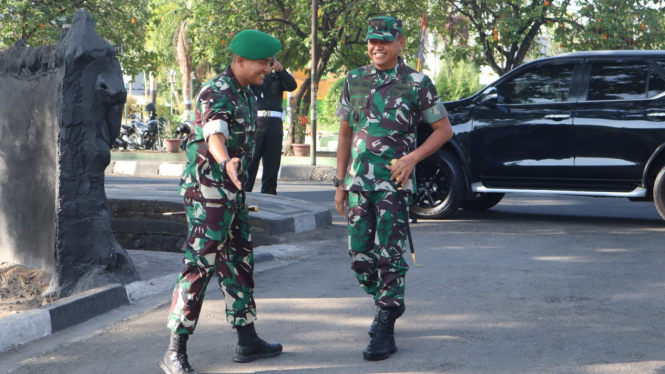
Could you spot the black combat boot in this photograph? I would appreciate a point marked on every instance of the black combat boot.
(375, 322)
(175, 359)
(250, 346)
(382, 344)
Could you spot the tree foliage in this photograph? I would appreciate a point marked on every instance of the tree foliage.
(504, 31)
(457, 80)
(611, 24)
(39, 22)
(342, 26)
(329, 105)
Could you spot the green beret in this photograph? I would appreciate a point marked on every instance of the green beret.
(254, 45)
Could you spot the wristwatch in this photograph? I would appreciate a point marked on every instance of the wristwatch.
(337, 182)
(222, 167)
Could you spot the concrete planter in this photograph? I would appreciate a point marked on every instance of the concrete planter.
(172, 145)
(301, 150)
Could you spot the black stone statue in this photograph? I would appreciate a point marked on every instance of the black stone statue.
(60, 109)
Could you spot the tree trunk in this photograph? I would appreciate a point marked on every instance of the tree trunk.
(185, 62)
(172, 82)
(302, 99)
(296, 113)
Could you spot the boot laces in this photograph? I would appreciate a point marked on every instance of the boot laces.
(180, 347)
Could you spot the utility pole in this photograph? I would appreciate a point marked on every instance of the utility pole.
(314, 85)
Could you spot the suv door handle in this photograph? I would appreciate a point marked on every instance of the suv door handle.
(656, 114)
(557, 117)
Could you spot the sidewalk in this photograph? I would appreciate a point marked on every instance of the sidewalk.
(174, 169)
(158, 271)
(143, 207)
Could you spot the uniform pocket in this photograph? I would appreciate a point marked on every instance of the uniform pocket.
(396, 115)
(359, 110)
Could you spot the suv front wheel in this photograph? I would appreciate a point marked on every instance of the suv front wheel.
(659, 192)
(440, 186)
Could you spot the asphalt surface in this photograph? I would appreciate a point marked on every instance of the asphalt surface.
(536, 285)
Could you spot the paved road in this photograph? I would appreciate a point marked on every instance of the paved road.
(537, 285)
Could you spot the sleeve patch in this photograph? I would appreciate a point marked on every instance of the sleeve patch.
(217, 126)
(435, 113)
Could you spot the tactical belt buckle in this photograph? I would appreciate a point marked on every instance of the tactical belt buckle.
(269, 113)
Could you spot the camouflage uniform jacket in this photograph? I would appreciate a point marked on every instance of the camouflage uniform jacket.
(222, 106)
(384, 109)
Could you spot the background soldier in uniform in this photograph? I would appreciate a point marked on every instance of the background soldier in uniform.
(380, 107)
(219, 241)
(269, 132)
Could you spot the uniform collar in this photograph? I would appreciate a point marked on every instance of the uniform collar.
(392, 73)
(235, 86)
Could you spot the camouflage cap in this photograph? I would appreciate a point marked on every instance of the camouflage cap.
(384, 28)
(254, 45)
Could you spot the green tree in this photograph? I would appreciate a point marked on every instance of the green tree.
(504, 31)
(329, 105)
(341, 31)
(611, 24)
(173, 39)
(39, 22)
(457, 80)
(160, 41)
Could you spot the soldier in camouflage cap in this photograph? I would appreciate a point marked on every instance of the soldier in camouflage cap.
(219, 241)
(380, 106)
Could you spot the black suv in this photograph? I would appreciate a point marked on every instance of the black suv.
(582, 123)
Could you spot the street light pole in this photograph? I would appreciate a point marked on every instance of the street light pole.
(314, 85)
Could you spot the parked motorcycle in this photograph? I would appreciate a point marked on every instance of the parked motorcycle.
(182, 133)
(122, 142)
(145, 135)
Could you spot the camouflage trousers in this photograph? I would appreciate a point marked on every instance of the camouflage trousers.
(219, 242)
(377, 234)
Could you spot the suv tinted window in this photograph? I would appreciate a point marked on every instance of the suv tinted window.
(545, 84)
(656, 82)
(618, 81)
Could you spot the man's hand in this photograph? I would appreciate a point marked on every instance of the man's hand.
(277, 67)
(341, 201)
(232, 167)
(402, 169)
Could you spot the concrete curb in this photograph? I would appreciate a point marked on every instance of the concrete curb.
(22, 328)
(175, 169)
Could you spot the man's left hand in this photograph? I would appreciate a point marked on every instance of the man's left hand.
(401, 171)
(277, 67)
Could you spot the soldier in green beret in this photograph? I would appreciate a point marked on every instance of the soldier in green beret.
(380, 107)
(219, 242)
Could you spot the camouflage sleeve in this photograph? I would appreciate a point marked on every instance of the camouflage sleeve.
(343, 111)
(431, 107)
(216, 113)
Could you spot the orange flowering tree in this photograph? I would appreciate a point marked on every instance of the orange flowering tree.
(39, 22)
(613, 24)
(505, 31)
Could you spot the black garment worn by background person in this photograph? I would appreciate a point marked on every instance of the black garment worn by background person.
(268, 144)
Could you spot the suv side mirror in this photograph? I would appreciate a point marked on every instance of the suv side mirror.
(489, 97)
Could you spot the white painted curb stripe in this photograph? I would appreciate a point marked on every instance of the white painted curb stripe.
(142, 289)
(24, 327)
(171, 170)
(124, 167)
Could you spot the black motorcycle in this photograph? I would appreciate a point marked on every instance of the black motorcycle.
(122, 142)
(182, 133)
(145, 135)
